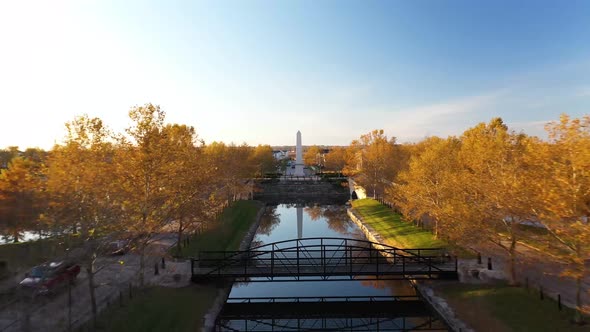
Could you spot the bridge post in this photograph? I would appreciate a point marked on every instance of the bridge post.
(403, 264)
(376, 263)
(324, 257)
(350, 261)
(298, 273)
(272, 260)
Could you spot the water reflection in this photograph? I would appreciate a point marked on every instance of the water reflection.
(286, 222)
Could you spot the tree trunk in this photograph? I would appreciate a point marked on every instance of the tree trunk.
(141, 265)
(91, 288)
(436, 228)
(15, 235)
(179, 239)
(512, 265)
(578, 315)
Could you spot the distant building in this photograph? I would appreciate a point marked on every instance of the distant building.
(280, 154)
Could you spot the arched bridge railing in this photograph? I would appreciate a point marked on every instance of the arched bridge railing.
(324, 258)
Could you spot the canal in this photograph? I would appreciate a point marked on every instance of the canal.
(286, 222)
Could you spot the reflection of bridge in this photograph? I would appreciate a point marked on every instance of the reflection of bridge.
(324, 259)
(355, 313)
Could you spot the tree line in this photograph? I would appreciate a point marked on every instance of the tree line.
(105, 185)
(488, 185)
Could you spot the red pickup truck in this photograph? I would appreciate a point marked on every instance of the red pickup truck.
(48, 277)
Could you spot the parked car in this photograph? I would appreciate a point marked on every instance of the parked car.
(47, 278)
(118, 247)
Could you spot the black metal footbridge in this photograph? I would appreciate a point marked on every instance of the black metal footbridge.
(335, 313)
(323, 258)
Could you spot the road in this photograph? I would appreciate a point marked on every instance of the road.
(115, 274)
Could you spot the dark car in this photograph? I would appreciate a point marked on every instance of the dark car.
(48, 277)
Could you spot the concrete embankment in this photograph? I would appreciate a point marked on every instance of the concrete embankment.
(223, 292)
(438, 304)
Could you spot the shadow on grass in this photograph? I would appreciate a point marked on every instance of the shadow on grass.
(511, 308)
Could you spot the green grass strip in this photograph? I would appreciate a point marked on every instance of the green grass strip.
(229, 230)
(159, 309)
(392, 228)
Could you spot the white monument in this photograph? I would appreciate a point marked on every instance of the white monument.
(299, 222)
(299, 157)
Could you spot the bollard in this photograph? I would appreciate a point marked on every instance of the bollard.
(541, 292)
(489, 263)
(478, 258)
(559, 302)
(156, 272)
(163, 263)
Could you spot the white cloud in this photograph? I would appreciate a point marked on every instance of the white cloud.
(442, 119)
(583, 91)
(533, 128)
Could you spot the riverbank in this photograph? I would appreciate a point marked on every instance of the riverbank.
(184, 309)
(481, 307)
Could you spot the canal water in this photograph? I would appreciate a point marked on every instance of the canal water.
(287, 222)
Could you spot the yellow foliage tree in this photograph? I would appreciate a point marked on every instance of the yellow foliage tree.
(564, 190)
(21, 195)
(371, 161)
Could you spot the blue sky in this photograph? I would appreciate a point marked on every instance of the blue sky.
(258, 71)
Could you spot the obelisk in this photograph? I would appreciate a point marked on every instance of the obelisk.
(299, 157)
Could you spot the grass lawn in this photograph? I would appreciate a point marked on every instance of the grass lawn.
(160, 309)
(504, 308)
(227, 234)
(391, 227)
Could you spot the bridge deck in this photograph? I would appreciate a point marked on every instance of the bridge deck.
(326, 261)
(383, 306)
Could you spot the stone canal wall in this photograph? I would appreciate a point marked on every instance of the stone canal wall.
(223, 292)
(438, 304)
(301, 191)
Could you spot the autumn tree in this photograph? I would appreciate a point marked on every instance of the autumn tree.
(563, 166)
(262, 159)
(425, 188)
(496, 177)
(232, 168)
(6, 155)
(371, 161)
(142, 159)
(189, 184)
(312, 156)
(83, 192)
(21, 195)
(335, 159)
